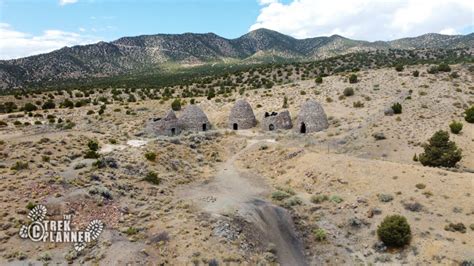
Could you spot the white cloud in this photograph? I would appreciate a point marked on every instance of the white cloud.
(16, 44)
(67, 2)
(449, 31)
(365, 19)
(267, 2)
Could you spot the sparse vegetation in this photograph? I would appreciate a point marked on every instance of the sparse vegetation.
(353, 78)
(440, 151)
(469, 117)
(455, 127)
(443, 67)
(320, 234)
(93, 147)
(150, 156)
(152, 178)
(394, 231)
(317, 199)
(285, 102)
(29, 107)
(348, 91)
(336, 199)
(176, 105)
(280, 195)
(19, 165)
(358, 104)
(397, 108)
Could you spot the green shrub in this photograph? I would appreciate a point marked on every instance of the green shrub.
(316, 199)
(30, 205)
(28, 107)
(91, 154)
(19, 166)
(358, 104)
(399, 68)
(420, 186)
(67, 104)
(432, 70)
(319, 80)
(320, 234)
(150, 156)
(93, 148)
(68, 125)
(348, 92)
(353, 78)
(455, 127)
(8, 107)
(394, 231)
(93, 145)
(285, 102)
(131, 231)
(176, 105)
(416, 73)
(280, 195)
(3, 124)
(288, 190)
(48, 105)
(293, 201)
(211, 94)
(440, 152)
(469, 115)
(397, 108)
(336, 199)
(444, 67)
(152, 178)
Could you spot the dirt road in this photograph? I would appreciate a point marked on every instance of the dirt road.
(238, 192)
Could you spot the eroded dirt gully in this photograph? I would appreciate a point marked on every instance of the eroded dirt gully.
(238, 192)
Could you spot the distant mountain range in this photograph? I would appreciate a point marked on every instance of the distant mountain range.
(152, 52)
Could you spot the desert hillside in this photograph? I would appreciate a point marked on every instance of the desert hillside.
(248, 196)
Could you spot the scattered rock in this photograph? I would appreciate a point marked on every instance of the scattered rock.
(383, 258)
(380, 247)
(373, 211)
(293, 154)
(225, 230)
(388, 111)
(161, 237)
(413, 206)
(379, 136)
(355, 222)
(385, 197)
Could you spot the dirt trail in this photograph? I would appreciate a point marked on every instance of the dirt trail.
(241, 193)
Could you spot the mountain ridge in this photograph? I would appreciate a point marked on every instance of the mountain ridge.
(151, 52)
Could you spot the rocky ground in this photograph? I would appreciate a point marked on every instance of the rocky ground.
(212, 201)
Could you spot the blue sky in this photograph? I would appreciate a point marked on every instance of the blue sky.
(114, 19)
(30, 27)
